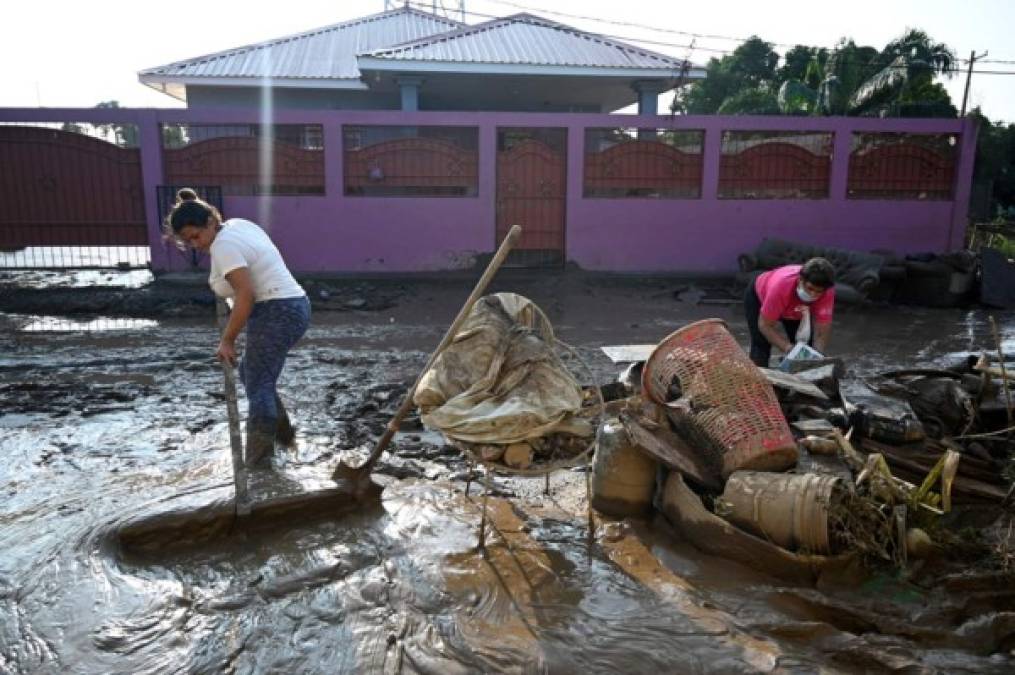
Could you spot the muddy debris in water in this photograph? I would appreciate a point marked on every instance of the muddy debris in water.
(61, 397)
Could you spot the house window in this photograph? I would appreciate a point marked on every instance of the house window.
(647, 163)
(246, 159)
(902, 166)
(775, 164)
(411, 161)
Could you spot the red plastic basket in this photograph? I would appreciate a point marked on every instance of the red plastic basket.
(733, 407)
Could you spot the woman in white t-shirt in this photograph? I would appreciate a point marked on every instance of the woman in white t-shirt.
(247, 267)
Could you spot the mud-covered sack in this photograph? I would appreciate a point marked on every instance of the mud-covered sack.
(500, 380)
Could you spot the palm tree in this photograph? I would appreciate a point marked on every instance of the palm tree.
(857, 80)
(921, 54)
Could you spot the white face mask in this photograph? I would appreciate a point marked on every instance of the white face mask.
(804, 295)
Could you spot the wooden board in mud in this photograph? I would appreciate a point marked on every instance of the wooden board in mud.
(275, 498)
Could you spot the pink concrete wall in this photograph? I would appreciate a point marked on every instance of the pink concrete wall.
(334, 233)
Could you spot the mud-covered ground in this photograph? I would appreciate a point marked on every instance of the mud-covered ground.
(105, 421)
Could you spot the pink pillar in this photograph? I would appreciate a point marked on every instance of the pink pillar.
(151, 177)
(965, 163)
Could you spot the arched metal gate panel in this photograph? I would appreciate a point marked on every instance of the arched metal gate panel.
(532, 192)
(69, 201)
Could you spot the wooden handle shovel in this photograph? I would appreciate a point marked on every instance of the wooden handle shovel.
(241, 499)
(359, 474)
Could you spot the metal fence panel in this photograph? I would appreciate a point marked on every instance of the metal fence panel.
(775, 165)
(655, 163)
(69, 201)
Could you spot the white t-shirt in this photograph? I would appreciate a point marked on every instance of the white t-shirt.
(241, 243)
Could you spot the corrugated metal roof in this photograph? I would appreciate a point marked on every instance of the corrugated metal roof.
(328, 52)
(524, 39)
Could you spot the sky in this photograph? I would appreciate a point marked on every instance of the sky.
(58, 53)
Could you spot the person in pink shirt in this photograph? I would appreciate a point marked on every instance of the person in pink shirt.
(783, 296)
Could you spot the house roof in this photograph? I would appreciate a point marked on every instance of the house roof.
(410, 40)
(523, 40)
(325, 56)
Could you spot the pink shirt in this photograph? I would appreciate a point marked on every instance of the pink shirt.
(777, 291)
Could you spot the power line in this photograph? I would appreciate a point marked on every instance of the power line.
(626, 24)
(480, 15)
(692, 47)
(631, 24)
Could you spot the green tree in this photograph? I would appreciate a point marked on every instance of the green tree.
(921, 53)
(124, 135)
(797, 62)
(754, 101)
(995, 159)
(796, 98)
(926, 99)
(847, 68)
(705, 96)
(860, 80)
(908, 65)
(173, 136)
(753, 63)
(850, 79)
(750, 66)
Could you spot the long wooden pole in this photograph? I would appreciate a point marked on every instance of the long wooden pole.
(357, 474)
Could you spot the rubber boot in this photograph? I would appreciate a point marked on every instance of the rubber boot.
(260, 441)
(284, 432)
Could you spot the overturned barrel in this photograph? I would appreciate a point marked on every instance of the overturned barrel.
(790, 510)
(623, 477)
(732, 407)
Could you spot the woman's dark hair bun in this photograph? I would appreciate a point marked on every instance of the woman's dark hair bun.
(189, 209)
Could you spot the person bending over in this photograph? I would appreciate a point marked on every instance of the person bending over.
(777, 302)
(267, 301)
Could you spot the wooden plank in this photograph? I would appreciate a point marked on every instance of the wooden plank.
(672, 452)
(628, 353)
(819, 426)
(277, 499)
(914, 462)
(639, 562)
(777, 378)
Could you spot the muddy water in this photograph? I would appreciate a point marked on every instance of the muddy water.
(100, 428)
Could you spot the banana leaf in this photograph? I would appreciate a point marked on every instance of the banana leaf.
(796, 98)
(831, 98)
(880, 88)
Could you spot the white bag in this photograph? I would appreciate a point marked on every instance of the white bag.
(801, 352)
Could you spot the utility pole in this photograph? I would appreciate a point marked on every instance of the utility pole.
(969, 76)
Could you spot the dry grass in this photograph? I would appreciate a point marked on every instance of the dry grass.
(1004, 547)
(861, 523)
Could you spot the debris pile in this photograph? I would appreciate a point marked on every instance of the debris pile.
(884, 468)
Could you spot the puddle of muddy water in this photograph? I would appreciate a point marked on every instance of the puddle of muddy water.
(400, 587)
(55, 324)
(21, 268)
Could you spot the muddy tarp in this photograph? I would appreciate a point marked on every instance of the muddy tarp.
(856, 273)
(998, 279)
(500, 380)
(941, 403)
